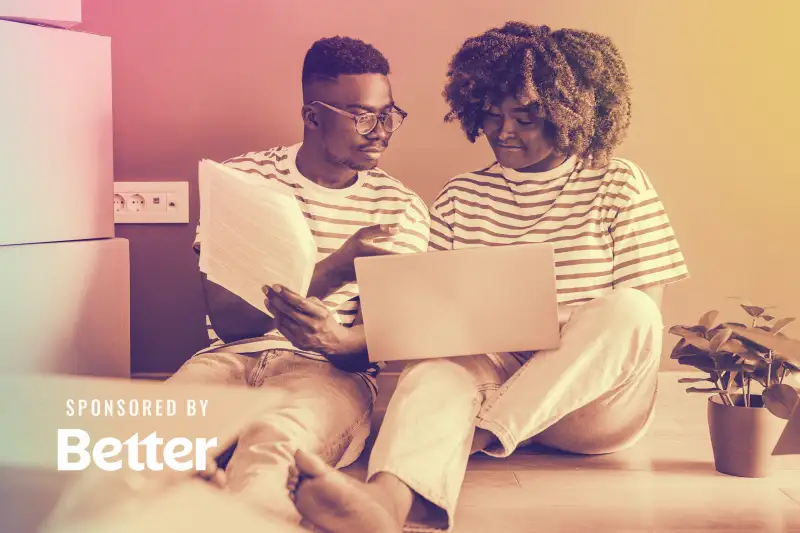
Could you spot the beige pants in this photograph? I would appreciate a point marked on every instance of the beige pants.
(594, 394)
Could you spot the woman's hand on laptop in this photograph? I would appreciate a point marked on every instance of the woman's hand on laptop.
(309, 325)
(363, 243)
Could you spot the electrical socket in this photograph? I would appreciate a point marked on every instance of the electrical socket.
(136, 203)
(119, 203)
(151, 202)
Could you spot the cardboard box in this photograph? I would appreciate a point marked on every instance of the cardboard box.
(65, 308)
(62, 13)
(56, 135)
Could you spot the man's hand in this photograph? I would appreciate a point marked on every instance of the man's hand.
(309, 325)
(363, 243)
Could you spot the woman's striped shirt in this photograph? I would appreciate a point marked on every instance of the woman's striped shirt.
(608, 225)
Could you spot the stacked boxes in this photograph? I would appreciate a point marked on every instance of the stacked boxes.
(64, 278)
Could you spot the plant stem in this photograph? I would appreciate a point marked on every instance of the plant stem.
(769, 370)
(749, 398)
(723, 393)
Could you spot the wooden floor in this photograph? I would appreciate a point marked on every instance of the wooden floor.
(665, 483)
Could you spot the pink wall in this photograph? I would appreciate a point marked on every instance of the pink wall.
(711, 126)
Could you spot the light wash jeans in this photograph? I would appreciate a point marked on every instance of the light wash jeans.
(324, 410)
(327, 412)
(594, 394)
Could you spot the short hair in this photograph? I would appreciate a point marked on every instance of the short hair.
(578, 78)
(330, 57)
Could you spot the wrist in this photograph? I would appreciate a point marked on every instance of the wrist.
(347, 343)
(328, 277)
(334, 271)
(350, 350)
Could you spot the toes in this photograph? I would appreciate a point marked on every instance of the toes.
(220, 479)
(309, 465)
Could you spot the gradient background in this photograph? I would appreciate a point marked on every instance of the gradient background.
(715, 125)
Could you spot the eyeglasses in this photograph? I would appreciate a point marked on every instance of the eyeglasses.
(366, 122)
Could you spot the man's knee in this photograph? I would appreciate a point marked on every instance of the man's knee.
(206, 369)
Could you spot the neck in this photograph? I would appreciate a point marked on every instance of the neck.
(322, 172)
(554, 160)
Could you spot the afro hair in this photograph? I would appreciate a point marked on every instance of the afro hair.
(577, 79)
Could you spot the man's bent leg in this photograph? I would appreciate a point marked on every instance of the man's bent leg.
(96, 491)
(220, 368)
(425, 439)
(609, 355)
(326, 412)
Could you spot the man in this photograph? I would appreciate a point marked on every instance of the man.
(314, 350)
(553, 105)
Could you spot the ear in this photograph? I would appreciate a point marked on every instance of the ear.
(310, 117)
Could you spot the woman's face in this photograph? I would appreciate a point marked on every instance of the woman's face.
(519, 138)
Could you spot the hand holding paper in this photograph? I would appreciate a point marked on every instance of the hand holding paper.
(253, 233)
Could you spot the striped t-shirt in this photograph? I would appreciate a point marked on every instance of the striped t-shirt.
(608, 225)
(333, 215)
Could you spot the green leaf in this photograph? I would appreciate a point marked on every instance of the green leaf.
(732, 324)
(752, 357)
(699, 342)
(781, 400)
(681, 348)
(700, 362)
(720, 339)
(732, 367)
(703, 389)
(688, 332)
(790, 368)
(707, 319)
(768, 318)
(784, 348)
(780, 324)
(693, 380)
(734, 346)
(753, 310)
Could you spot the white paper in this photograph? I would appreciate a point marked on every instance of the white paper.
(252, 233)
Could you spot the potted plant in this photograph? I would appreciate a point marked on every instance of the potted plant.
(747, 366)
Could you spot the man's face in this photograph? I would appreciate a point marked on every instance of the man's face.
(341, 142)
(518, 136)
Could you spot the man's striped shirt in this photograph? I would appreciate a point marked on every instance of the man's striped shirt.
(333, 215)
(608, 225)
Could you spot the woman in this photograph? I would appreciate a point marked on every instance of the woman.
(554, 106)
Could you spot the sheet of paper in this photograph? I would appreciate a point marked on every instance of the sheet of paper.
(252, 233)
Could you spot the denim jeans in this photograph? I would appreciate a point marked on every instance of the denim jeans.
(327, 412)
(594, 394)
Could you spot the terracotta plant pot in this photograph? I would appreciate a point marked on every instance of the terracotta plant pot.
(743, 438)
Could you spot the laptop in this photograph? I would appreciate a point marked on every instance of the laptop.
(459, 302)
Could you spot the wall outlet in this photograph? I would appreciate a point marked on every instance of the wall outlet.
(119, 203)
(151, 202)
(136, 203)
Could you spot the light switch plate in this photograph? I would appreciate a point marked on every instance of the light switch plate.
(151, 202)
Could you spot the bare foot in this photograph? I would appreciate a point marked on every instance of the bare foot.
(337, 503)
